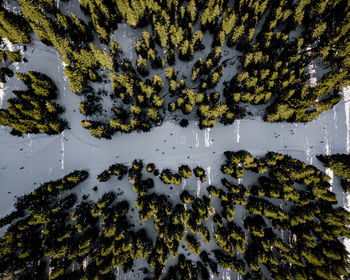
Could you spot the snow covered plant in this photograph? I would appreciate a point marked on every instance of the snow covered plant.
(190, 60)
(287, 215)
(34, 110)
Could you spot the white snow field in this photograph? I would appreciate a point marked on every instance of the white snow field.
(28, 161)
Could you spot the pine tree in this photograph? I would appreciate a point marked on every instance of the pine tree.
(14, 27)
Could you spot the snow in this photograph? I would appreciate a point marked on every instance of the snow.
(226, 275)
(207, 142)
(198, 187)
(41, 152)
(312, 72)
(347, 116)
(62, 150)
(311, 68)
(10, 47)
(328, 171)
(335, 117)
(183, 184)
(8, 44)
(326, 138)
(28, 161)
(308, 151)
(209, 175)
(2, 93)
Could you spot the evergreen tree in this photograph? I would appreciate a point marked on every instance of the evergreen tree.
(14, 27)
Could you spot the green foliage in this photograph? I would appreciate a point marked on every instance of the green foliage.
(230, 262)
(133, 12)
(33, 110)
(14, 56)
(186, 197)
(314, 227)
(272, 66)
(339, 163)
(192, 244)
(13, 27)
(168, 177)
(185, 171)
(103, 16)
(103, 58)
(200, 173)
(273, 70)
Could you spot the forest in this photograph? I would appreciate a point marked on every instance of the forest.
(286, 224)
(202, 61)
(131, 66)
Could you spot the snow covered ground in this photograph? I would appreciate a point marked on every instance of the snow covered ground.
(28, 161)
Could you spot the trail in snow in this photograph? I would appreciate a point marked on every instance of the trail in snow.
(328, 171)
(182, 140)
(207, 138)
(198, 187)
(307, 151)
(117, 272)
(209, 176)
(326, 137)
(335, 118)
(347, 116)
(2, 94)
(238, 136)
(30, 144)
(197, 140)
(62, 150)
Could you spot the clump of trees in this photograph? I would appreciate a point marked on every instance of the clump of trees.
(200, 173)
(272, 67)
(4, 71)
(43, 229)
(185, 171)
(14, 56)
(289, 216)
(116, 169)
(14, 27)
(340, 165)
(169, 177)
(236, 162)
(266, 71)
(34, 110)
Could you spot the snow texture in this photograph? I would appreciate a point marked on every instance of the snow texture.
(2, 93)
(347, 116)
